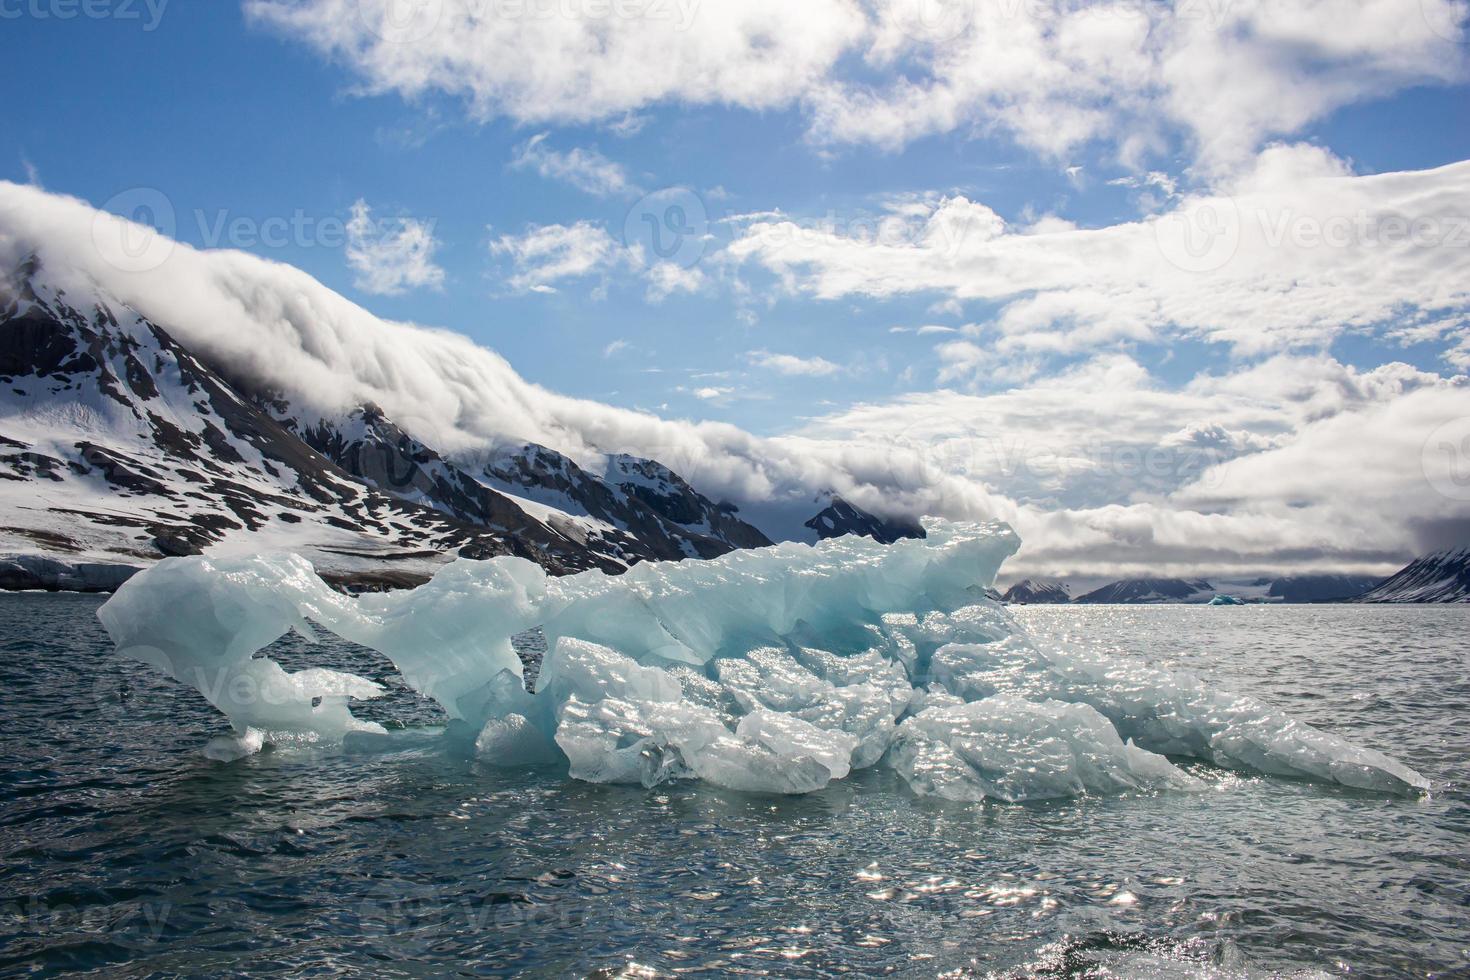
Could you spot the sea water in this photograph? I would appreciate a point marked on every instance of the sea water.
(126, 851)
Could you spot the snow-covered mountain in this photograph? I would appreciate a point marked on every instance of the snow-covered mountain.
(840, 518)
(1030, 592)
(1441, 577)
(639, 499)
(1151, 591)
(118, 447)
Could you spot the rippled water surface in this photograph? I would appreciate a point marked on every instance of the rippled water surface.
(124, 852)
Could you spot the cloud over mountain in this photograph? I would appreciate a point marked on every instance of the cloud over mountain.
(1252, 467)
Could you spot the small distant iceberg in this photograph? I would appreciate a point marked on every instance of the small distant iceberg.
(1227, 600)
(775, 670)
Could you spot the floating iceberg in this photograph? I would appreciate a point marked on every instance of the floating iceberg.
(777, 670)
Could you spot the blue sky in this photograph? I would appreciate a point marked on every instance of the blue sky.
(274, 109)
(230, 117)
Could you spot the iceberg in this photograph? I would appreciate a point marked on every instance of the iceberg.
(775, 670)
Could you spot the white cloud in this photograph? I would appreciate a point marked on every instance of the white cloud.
(628, 126)
(1297, 253)
(970, 363)
(928, 330)
(1453, 331)
(391, 257)
(1052, 438)
(586, 170)
(1225, 77)
(1292, 462)
(574, 66)
(615, 347)
(1058, 75)
(546, 254)
(667, 278)
(790, 364)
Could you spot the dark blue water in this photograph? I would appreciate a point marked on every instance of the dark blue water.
(124, 852)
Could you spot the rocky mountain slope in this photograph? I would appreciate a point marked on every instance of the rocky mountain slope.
(1441, 577)
(119, 447)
